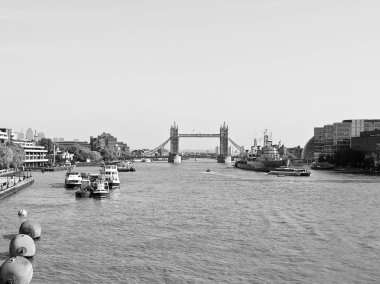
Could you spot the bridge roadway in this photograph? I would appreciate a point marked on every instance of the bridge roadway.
(197, 135)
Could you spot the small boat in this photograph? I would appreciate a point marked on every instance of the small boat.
(101, 189)
(208, 171)
(126, 167)
(73, 180)
(85, 189)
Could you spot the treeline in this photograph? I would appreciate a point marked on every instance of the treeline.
(81, 153)
(349, 158)
(11, 156)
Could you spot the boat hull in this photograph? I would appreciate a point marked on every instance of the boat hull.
(113, 185)
(83, 193)
(102, 194)
(73, 185)
(289, 174)
(126, 169)
(260, 166)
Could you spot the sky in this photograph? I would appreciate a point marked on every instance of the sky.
(77, 68)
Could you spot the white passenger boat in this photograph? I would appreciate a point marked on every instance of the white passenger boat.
(289, 171)
(110, 175)
(73, 180)
(101, 189)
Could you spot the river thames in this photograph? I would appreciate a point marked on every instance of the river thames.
(172, 223)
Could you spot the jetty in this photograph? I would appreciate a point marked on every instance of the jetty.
(10, 185)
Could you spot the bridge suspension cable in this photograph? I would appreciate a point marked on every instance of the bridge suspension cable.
(240, 148)
(158, 147)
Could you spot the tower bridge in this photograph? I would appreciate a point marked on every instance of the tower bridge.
(174, 143)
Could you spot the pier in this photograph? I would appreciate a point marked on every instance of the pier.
(10, 185)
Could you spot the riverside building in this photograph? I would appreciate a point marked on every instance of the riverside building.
(5, 135)
(107, 141)
(35, 156)
(338, 136)
(368, 142)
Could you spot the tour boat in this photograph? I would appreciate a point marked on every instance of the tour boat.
(110, 175)
(101, 189)
(73, 180)
(289, 171)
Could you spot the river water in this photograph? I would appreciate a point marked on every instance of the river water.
(172, 223)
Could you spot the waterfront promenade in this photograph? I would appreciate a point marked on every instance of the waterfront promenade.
(12, 184)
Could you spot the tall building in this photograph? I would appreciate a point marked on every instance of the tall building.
(29, 134)
(338, 136)
(217, 150)
(40, 135)
(342, 135)
(20, 135)
(368, 142)
(106, 140)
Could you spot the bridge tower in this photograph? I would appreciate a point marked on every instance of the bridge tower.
(223, 143)
(174, 143)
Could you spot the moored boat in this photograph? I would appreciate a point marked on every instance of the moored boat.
(101, 189)
(110, 175)
(73, 180)
(126, 167)
(85, 189)
(263, 160)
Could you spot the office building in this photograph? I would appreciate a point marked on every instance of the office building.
(338, 136)
(40, 135)
(29, 135)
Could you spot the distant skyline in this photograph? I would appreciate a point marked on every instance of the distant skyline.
(75, 69)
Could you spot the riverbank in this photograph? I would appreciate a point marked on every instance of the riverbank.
(89, 164)
(357, 171)
(9, 186)
(9, 173)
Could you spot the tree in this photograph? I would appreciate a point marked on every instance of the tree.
(349, 157)
(108, 154)
(18, 156)
(95, 156)
(6, 156)
(47, 143)
(322, 159)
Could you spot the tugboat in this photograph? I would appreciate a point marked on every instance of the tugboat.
(263, 160)
(110, 175)
(85, 190)
(101, 189)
